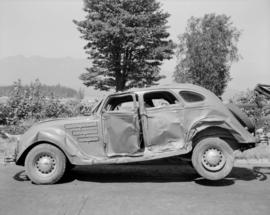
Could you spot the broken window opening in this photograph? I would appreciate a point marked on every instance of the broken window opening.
(159, 99)
(121, 104)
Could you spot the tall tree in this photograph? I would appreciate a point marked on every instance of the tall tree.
(127, 40)
(206, 51)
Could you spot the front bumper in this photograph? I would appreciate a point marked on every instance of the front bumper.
(11, 153)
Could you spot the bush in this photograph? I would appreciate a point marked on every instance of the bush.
(24, 102)
(55, 109)
(28, 104)
(254, 106)
(4, 112)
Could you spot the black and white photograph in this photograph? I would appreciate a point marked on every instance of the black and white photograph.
(134, 107)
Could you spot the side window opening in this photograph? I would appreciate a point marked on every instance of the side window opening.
(120, 103)
(159, 99)
(190, 96)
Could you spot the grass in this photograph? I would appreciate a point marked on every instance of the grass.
(259, 152)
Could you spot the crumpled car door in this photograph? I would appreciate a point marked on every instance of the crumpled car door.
(163, 128)
(121, 133)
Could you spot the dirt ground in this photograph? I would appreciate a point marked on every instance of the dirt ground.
(149, 188)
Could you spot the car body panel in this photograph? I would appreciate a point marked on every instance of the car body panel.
(121, 123)
(137, 134)
(165, 131)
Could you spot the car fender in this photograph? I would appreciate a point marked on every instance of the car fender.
(54, 136)
(240, 134)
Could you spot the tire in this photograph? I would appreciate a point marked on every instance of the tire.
(241, 117)
(45, 164)
(213, 158)
(69, 166)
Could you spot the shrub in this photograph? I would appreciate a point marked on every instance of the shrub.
(254, 106)
(24, 102)
(54, 109)
(29, 104)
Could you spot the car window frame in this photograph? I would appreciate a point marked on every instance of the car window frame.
(192, 91)
(132, 94)
(179, 100)
(96, 107)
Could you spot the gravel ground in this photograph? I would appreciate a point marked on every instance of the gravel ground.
(151, 188)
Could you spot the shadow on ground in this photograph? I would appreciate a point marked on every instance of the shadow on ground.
(156, 172)
(238, 174)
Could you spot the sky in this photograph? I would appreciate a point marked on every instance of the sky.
(45, 28)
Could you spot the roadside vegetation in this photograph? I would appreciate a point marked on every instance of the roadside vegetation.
(256, 106)
(58, 90)
(27, 104)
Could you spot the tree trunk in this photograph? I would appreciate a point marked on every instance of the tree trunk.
(120, 82)
(120, 74)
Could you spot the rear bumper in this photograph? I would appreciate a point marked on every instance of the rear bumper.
(10, 151)
(247, 146)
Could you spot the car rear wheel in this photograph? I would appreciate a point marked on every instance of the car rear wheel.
(213, 158)
(45, 164)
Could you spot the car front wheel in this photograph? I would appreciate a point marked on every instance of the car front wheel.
(213, 158)
(45, 164)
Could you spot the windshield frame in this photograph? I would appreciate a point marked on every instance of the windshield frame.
(96, 107)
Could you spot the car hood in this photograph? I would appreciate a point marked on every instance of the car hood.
(55, 124)
(55, 128)
(60, 122)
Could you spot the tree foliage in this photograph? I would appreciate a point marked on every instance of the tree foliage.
(28, 104)
(127, 40)
(206, 51)
(256, 106)
(58, 91)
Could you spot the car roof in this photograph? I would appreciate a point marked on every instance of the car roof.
(182, 86)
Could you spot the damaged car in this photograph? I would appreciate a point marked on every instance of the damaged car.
(140, 125)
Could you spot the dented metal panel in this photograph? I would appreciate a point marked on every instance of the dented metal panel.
(200, 118)
(121, 135)
(165, 129)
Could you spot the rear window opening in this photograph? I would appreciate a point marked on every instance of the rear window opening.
(190, 96)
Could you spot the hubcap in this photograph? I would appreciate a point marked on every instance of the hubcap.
(45, 164)
(213, 159)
